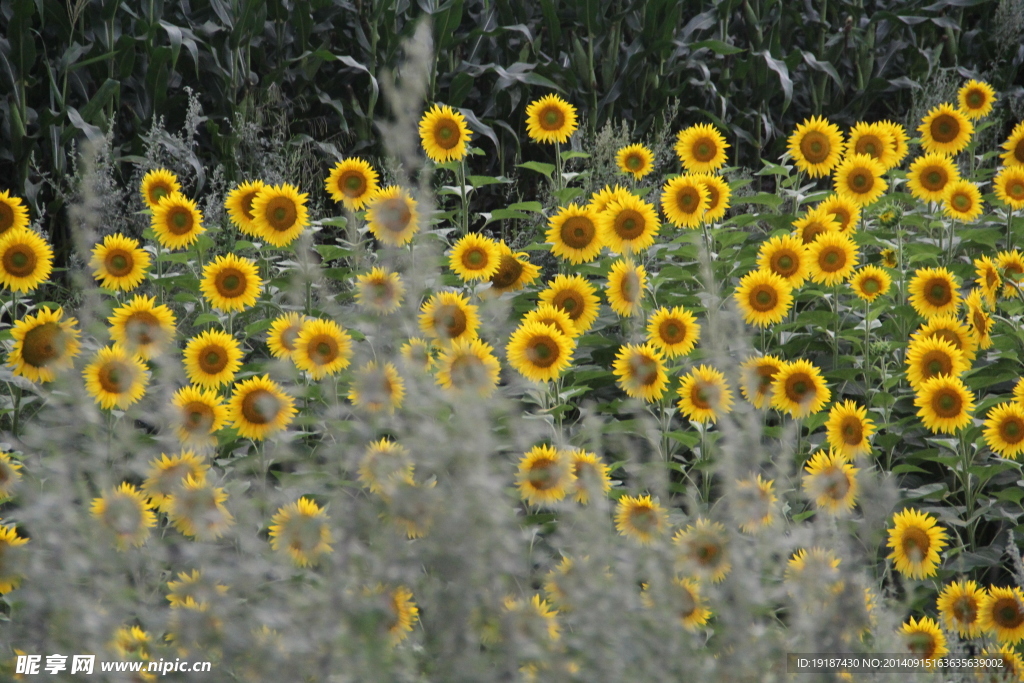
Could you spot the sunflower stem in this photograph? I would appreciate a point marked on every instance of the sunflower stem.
(867, 343)
(835, 331)
(159, 273)
(558, 172)
(1009, 230)
(17, 410)
(464, 195)
(969, 501)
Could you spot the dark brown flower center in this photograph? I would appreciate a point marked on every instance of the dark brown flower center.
(578, 232)
(629, 224)
(764, 298)
(119, 262)
(543, 474)
(281, 213)
(510, 269)
(198, 417)
(230, 283)
(142, 328)
(115, 377)
(394, 214)
(180, 221)
(688, 200)
(871, 145)
(1006, 613)
(947, 403)
(20, 260)
(704, 149)
(212, 359)
(800, 387)
(672, 331)
(852, 431)
(44, 344)
(571, 302)
(945, 128)
(450, 321)
(934, 178)
(938, 292)
(1011, 430)
(551, 118)
(643, 369)
(543, 351)
(815, 147)
(260, 406)
(446, 133)
(322, 349)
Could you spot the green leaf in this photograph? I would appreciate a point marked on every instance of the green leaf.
(717, 46)
(536, 207)
(206, 318)
(330, 252)
(545, 170)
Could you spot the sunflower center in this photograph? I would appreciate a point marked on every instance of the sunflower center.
(799, 388)
(862, 180)
(213, 360)
(629, 224)
(142, 328)
(551, 118)
(43, 344)
(322, 349)
(643, 519)
(230, 283)
(571, 302)
(704, 150)
(921, 644)
(260, 406)
(578, 232)
(871, 286)
(198, 417)
(672, 331)
(934, 179)
(394, 214)
(937, 364)
(630, 287)
(704, 396)
(945, 128)
(119, 263)
(1012, 430)
(815, 147)
(916, 543)
(180, 221)
(288, 336)
(870, 145)
(688, 199)
(634, 162)
(764, 299)
(1006, 613)
(947, 404)
(158, 192)
(475, 259)
(1018, 152)
(965, 609)
(833, 260)
(644, 370)
(810, 232)
(115, 377)
(837, 484)
(1015, 190)
(381, 292)
(543, 474)
(707, 553)
(281, 213)
(508, 273)
(468, 371)
(765, 378)
(962, 202)
(543, 352)
(975, 99)
(785, 264)
(123, 515)
(246, 202)
(6, 217)
(451, 321)
(938, 293)
(19, 260)
(446, 134)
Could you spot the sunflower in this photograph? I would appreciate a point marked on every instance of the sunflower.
(763, 297)
(849, 430)
(816, 146)
(831, 482)
(635, 160)
(539, 352)
(930, 177)
(301, 528)
(924, 638)
(26, 260)
(157, 184)
(628, 225)
(400, 610)
(574, 295)
(600, 199)
(814, 574)
(449, 317)
(754, 503)
(816, 222)
(1009, 186)
(284, 330)
(177, 222)
(684, 199)
(392, 216)
(845, 211)
(353, 182)
(560, 580)
(701, 148)
(1002, 614)
(889, 258)
(9, 542)
(124, 513)
(949, 328)
(962, 201)
(383, 463)
(799, 389)
(377, 387)
(945, 130)
(550, 119)
(231, 283)
(411, 506)
(238, 204)
(193, 587)
(10, 475)
(380, 291)
(959, 604)
(322, 348)
(682, 598)
(44, 344)
(574, 235)
(757, 376)
(279, 214)
(212, 358)
(13, 213)
(944, 404)
(626, 284)
(116, 378)
(468, 366)
(704, 395)
(475, 257)
(259, 407)
(1004, 429)
(976, 99)
(547, 314)
(640, 518)
(915, 540)
(166, 475)
(930, 357)
(640, 371)
(870, 282)
(859, 179)
(1011, 263)
(703, 550)
(197, 510)
(514, 272)
(719, 194)
(143, 327)
(673, 331)
(874, 140)
(1018, 391)
(1009, 668)
(1014, 146)
(545, 476)
(786, 256)
(118, 263)
(444, 134)
(934, 291)
(591, 476)
(981, 322)
(899, 140)
(197, 416)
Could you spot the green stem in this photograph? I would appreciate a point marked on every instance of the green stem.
(464, 217)
(867, 343)
(835, 331)
(1009, 230)
(969, 493)
(558, 170)
(159, 273)
(17, 410)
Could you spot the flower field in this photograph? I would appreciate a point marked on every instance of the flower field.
(665, 419)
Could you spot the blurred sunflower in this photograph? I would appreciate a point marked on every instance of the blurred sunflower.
(166, 475)
(754, 503)
(1018, 391)
(831, 482)
(377, 388)
(845, 211)
(380, 291)
(539, 352)
(301, 528)
(1004, 429)
(574, 295)
(1002, 614)
(402, 613)
(874, 140)
(626, 285)
(259, 408)
(944, 404)
(197, 510)
(177, 222)
(10, 475)
(816, 146)
(962, 201)
(1014, 146)
(1011, 664)
(980, 321)
(143, 327)
(757, 377)
(118, 263)
(934, 291)
(239, 206)
(814, 574)
(930, 177)
(1009, 186)
(449, 317)
(959, 604)
(628, 225)
(703, 550)
(799, 389)
(945, 130)
(719, 194)
(352, 182)
(283, 332)
(763, 297)
(383, 463)
(125, 513)
(548, 314)
(684, 200)
(545, 476)
(976, 99)
(951, 329)
(673, 331)
(859, 179)
(786, 256)
(116, 378)
(701, 148)
(600, 199)
(468, 366)
(322, 348)
(44, 344)
(195, 588)
(231, 283)
(573, 233)
(550, 119)
(870, 282)
(9, 542)
(197, 415)
(682, 598)
(26, 260)
(640, 371)
(704, 395)
(392, 216)
(1011, 263)
(640, 518)
(212, 358)
(592, 476)
(930, 357)
(444, 134)
(924, 638)
(157, 184)
(514, 271)
(899, 140)
(889, 258)
(849, 430)
(474, 257)
(915, 540)
(816, 222)
(279, 214)
(635, 160)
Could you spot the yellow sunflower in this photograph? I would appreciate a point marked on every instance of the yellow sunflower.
(859, 179)
(1018, 391)
(870, 282)
(574, 295)
(754, 503)
(929, 357)
(915, 540)
(763, 297)
(124, 513)
(539, 352)
(166, 474)
(684, 200)
(193, 589)
(981, 322)
(719, 194)
(640, 518)
(118, 263)
(831, 482)
(889, 258)
(814, 574)
(377, 388)
(1002, 614)
(574, 235)
(799, 389)
(944, 404)
(26, 260)
(9, 543)
(143, 327)
(600, 199)
(550, 119)
(1009, 186)
(930, 177)
(976, 99)
(279, 214)
(116, 378)
(552, 315)
(924, 638)
(514, 271)
(962, 201)
(380, 291)
(635, 160)
(322, 348)
(934, 291)
(392, 216)
(1011, 263)
(449, 317)
(1004, 429)
(259, 408)
(816, 146)
(1009, 668)
(475, 257)
(899, 140)
(545, 476)
(849, 430)
(212, 358)
(701, 148)
(444, 134)
(703, 550)
(628, 225)
(13, 213)
(873, 140)
(959, 604)
(197, 510)
(704, 395)
(845, 211)
(44, 344)
(239, 205)
(951, 329)
(283, 332)
(786, 256)
(626, 285)
(197, 416)
(640, 371)
(177, 222)
(945, 130)
(157, 184)
(592, 476)
(383, 463)
(673, 331)
(682, 598)
(1014, 146)
(303, 530)
(468, 366)
(816, 222)
(352, 182)
(757, 376)
(10, 475)
(231, 283)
